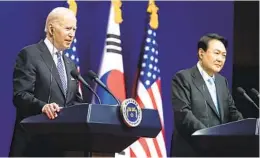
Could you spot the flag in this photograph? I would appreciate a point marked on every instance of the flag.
(111, 71)
(148, 91)
(72, 52)
(148, 95)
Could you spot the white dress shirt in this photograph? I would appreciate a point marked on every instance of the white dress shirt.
(53, 51)
(210, 82)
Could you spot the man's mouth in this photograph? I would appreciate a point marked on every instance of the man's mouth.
(218, 66)
(69, 41)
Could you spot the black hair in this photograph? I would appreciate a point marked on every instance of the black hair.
(204, 40)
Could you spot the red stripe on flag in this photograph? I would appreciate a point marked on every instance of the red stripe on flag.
(138, 100)
(157, 147)
(132, 154)
(150, 92)
(145, 146)
(163, 133)
(158, 82)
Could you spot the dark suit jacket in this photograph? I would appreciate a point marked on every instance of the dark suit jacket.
(32, 83)
(194, 108)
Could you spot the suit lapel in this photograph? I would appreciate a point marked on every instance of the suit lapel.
(68, 69)
(219, 97)
(200, 84)
(47, 58)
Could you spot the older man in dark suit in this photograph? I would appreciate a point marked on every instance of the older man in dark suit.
(42, 82)
(200, 96)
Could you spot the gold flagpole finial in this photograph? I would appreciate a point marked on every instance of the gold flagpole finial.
(153, 9)
(118, 12)
(72, 6)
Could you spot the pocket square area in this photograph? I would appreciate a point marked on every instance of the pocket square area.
(72, 78)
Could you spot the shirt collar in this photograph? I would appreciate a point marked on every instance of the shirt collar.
(52, 49)
(204, 74)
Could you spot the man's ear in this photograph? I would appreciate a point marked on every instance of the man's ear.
(201, 53)
(51, 29)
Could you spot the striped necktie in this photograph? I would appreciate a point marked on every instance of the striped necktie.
(62, 74)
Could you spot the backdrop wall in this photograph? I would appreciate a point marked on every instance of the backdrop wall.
(181, 24)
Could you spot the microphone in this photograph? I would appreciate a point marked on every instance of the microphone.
(93, 76)
(75, 74)
(49, 97)
(243, 92)
(255, 92)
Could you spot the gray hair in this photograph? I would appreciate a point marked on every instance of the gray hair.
(56, 14)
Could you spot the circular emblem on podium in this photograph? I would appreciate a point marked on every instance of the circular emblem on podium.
(131, 112)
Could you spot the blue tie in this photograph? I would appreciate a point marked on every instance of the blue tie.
(60, 68)
(213, 92)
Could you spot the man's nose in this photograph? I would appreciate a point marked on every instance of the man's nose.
(71, 33)
(220, 58)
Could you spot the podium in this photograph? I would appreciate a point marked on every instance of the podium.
(90, 127)
(233, 139)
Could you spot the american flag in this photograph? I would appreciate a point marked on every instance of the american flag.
(72, 52)
(148, 95)
(73, 55)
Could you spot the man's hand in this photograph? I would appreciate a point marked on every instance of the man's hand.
(51, 110)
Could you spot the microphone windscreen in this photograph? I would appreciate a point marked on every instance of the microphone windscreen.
(75, 74)
(241, 90)
(255, 91)
(91, 74)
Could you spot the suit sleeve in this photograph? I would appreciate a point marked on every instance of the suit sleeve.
(234, 114)
(185, 121)
(24, 78)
